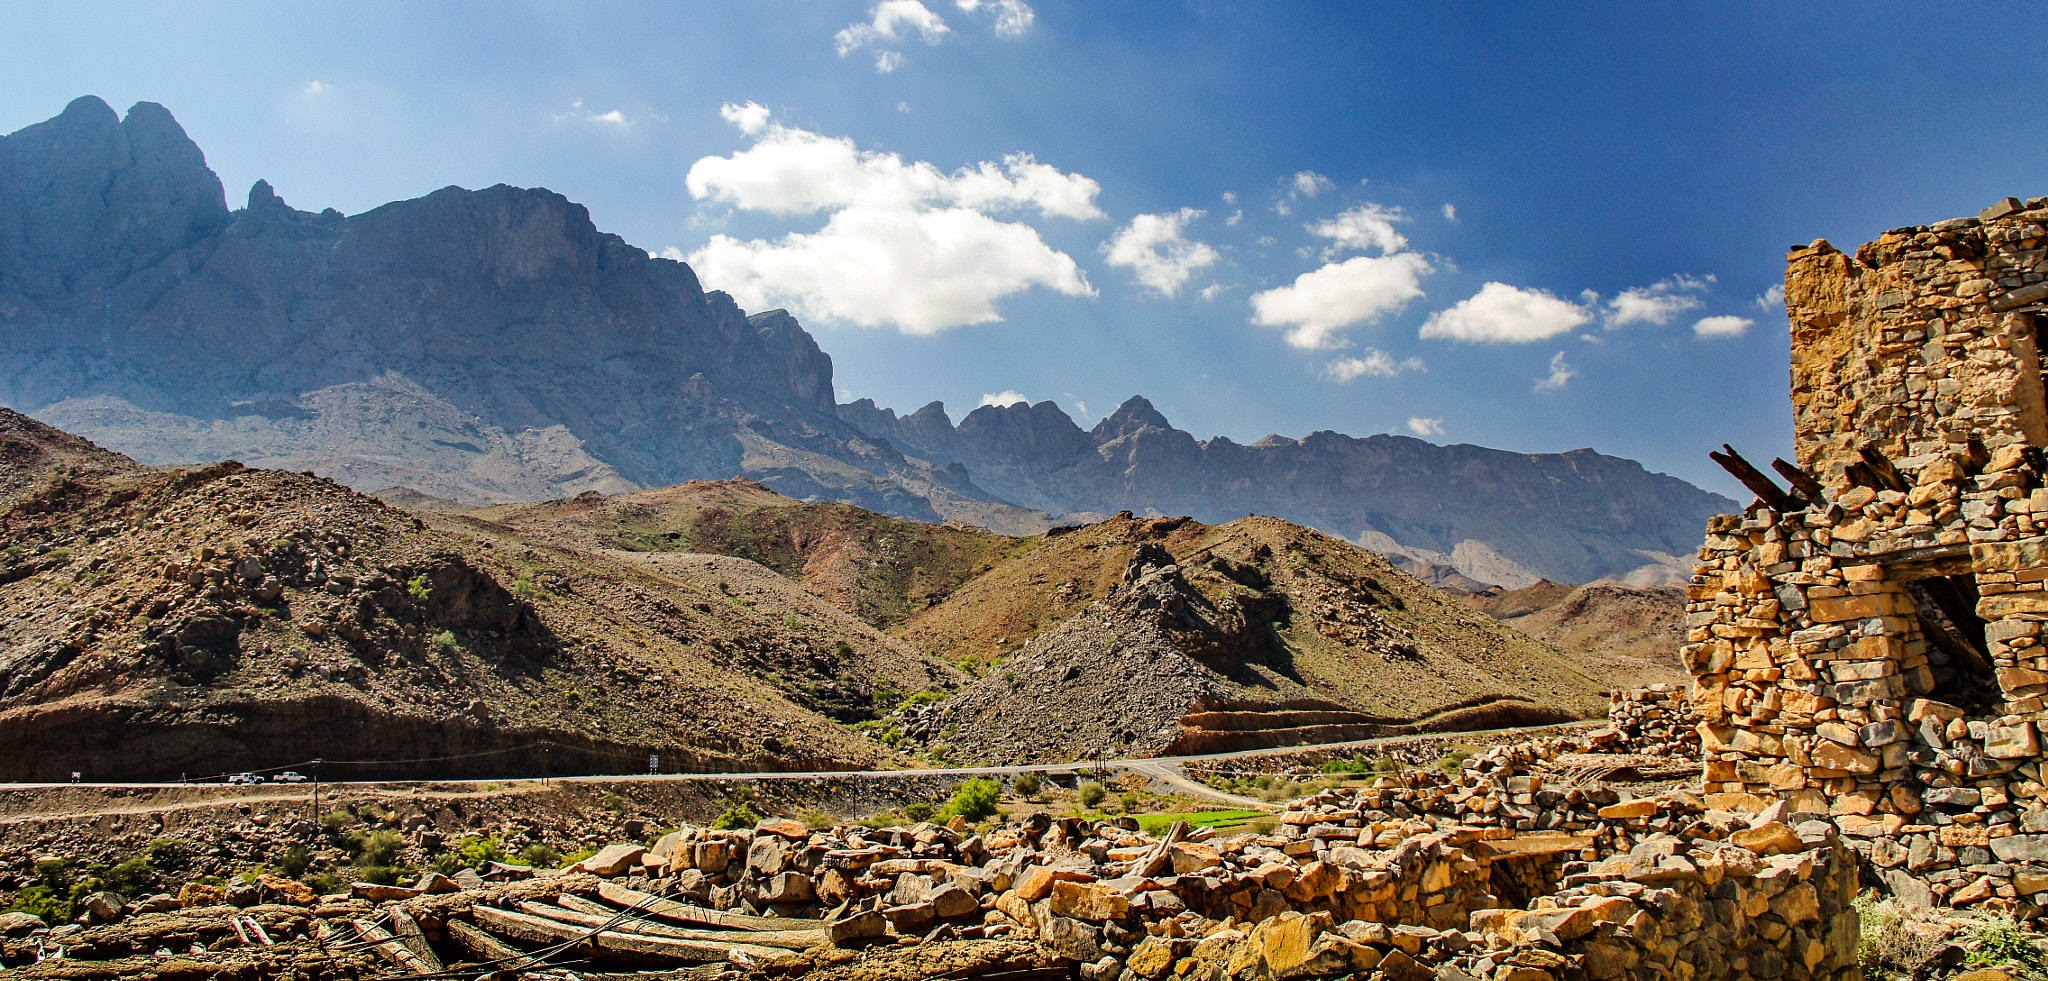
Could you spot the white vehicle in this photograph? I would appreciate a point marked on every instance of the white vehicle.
(290, 776)
(249, 778)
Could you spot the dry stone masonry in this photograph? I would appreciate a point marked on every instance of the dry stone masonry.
(1867, 645)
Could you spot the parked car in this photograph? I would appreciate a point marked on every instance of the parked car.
(290, 776)
(245, 778)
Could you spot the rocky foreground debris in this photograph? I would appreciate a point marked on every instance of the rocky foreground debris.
(1490, 875)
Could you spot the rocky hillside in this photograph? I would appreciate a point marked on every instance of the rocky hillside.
(199, 620)
(494, 346)
(1629, 635)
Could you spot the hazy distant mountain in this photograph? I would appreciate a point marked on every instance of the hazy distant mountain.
(1495, 515)
(493, 345)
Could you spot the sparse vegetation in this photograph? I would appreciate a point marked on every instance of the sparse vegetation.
(974, 800)
(1091, 793)
(419, 589)
(1027, 784)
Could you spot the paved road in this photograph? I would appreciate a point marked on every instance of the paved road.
(1169, 769)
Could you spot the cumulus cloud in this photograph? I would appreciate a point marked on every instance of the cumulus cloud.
(318, 87)
(1723, 326)
(1008, 397)
(791, 171)
(1503, 314)
(1450, 211)
(1235, 217)
(921, 270)
(890, 21)
(1158, 252)
(1375, 364)
(1013, 17)
(1560, 373)
(1426, 427)
(1367, 227)
(1321, 303)
(1308, 184)
(1658, 302)
(750, 117)
(1211, 291)
(1772, 299)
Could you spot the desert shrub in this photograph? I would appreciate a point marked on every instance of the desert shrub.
(40, 900)
(335, 821)
(1130, 801)
(1091, 793)
(294, 861)
(540, 856)
(1262, 826)
(445, 642)
(375, 847)
(1894, 940)
(925, 697)
(326, 883)
(974, 800)
(817, 820)
(1027, 784)
(738, 815)
(419, 589)
(919, 811)
(1353, 765)
(1997, 941)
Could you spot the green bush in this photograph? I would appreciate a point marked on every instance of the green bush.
(974, 800)
(1091, 793)
(295, 861)
(383, 875)
(375, 847)
(739, 815)
(919, 811)
(817, 820)
(540, 856)
(445, 642)
(40, 900)
(419, 589)
(1027, 784)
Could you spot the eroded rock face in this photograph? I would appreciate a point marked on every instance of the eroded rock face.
(489, 345)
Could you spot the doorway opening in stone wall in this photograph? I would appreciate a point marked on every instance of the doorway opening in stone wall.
(1958, 655)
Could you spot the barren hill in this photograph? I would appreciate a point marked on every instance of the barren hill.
(198, 620)
(1629, 635)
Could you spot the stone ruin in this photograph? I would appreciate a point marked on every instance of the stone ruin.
(1866, 641)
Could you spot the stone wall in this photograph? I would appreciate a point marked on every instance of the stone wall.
(1875, 653)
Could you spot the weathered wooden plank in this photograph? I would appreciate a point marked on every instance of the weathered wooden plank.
(669, 909)
(488, 949)
(1763, 487)
(791, 939)
(527, 926)
(408, 932)
(390, 948)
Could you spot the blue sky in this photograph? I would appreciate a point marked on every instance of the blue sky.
(1528, 226)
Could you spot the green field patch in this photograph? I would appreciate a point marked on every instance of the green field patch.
(1156, 824)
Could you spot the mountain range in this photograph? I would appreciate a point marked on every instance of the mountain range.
(494, 346)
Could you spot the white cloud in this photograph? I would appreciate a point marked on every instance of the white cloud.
(1723, 326)
(1013, 17)
(1211, 291)
(318, 87)
(888, 61)
(1235, 217)
(1308, 184)
(1773, 298)
(1560, 372)
(1158, 252)
(791, 171)
(919, 270)
(670, 253)
(614, 118)
(1324, 301)
(1503, 314)
(1009, 397)
(1426, 427)
(903, 107)
(1450, 211)
(889, 21)
(1366, 227)
(1658, 302)
(1229, 197)
(1375, 364)
(750, 117)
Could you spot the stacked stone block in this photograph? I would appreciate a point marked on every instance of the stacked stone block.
(1827, 672)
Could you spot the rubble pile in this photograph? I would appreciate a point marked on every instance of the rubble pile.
(1489, 876)
(1659, 719)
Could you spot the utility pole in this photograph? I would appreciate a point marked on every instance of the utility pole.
(315, 816)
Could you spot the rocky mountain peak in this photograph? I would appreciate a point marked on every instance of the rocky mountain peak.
(1134, 415)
